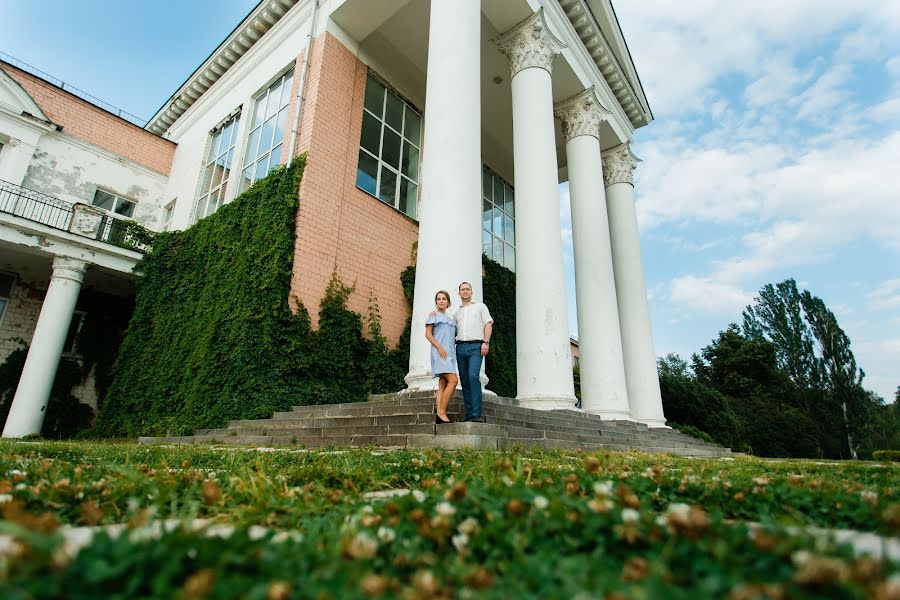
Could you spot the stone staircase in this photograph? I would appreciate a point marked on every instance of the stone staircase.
(406, 420)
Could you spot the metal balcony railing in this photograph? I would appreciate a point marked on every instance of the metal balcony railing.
(58, 214)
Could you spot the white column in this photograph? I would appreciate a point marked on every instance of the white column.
(631, 290)
(449, 250)
(603, 389)
(29, 407)
(543, 353)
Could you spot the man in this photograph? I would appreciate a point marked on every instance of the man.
(473, 335)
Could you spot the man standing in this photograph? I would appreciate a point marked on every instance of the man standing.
(473, 335)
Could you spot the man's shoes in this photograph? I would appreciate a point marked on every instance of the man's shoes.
(475, 419)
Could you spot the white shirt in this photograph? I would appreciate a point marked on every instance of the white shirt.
(470, 321)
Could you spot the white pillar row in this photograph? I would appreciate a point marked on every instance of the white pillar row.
(449, 250)
(603, 389)
(29, 406)
(543, 353)
(641, 377)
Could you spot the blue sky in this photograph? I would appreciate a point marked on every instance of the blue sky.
(775, 151)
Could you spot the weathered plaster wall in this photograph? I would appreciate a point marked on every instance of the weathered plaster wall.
(72, 170)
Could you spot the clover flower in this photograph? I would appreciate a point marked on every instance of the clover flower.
(362, 546)
(386, 535)
(469, 526)
(541, 503)
(460, 542)
(445, 509)
(603, 488)
(419, 495)
(630, 515)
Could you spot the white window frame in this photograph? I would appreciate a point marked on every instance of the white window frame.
(220, 190)
(505, 239)
(117, 201)
(283, 108)
(406, 137)
(168, 214)
(80, 315)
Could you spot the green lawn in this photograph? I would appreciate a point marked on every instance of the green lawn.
(514, 524)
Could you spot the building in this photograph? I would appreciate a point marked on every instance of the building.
(347, 82)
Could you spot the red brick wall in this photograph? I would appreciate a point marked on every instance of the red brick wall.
(339, 227)
(84, 121)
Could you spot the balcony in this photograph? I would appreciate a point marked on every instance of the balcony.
(80, 219)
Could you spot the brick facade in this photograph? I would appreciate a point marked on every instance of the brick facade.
(340, 228)
(92, 124)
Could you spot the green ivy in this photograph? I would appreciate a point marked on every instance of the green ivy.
(500, 298)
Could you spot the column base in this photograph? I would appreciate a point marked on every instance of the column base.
(418, 382)
(544, 402)
(610, 415)
(653, 423)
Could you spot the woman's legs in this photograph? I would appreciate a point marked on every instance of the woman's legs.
(446, 394)
(440, 395)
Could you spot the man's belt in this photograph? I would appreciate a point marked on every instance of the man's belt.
(470, 342)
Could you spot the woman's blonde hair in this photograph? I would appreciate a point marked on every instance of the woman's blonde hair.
(446, 295)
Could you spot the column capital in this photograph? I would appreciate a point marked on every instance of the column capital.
(65, 267)
(530, 44)
(581, 115)
(618, 165)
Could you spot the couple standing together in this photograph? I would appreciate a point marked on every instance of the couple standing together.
(458, 342)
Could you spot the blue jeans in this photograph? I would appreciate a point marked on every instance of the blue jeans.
(468, 359)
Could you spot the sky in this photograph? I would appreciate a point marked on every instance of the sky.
(774, 153)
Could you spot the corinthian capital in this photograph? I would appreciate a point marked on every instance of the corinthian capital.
(619, 165)
(530, 44)
(581, 115)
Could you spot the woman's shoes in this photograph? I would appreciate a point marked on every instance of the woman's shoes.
(440, 421)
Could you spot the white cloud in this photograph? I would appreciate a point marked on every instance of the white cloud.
(707, 295)
(886, 296)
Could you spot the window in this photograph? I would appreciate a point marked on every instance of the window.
(71, 345)
(214, 183)
(389, 145)
(267, 131)
(167, 214)
(498, 218)
(6, 284)
(114, 204)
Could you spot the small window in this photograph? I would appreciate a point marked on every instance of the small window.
(217, 168)
(6, 284)
(72, 337)
(113, 203)
(167, 215)
(263, 151)
(389, 145)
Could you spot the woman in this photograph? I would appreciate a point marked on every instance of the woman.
(440, 331)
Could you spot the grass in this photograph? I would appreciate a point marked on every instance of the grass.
(522, 523)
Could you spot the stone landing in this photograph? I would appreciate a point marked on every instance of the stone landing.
(406, 420)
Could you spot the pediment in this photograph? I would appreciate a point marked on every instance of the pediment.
(14, 98)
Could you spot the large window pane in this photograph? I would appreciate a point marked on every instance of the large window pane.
(486, 215)
(279, 125)
(265, 140)
(262, 167)
(393, 111)
(272, 101)
(374, 97)
(366, 172)
(485, 238)
(486, 246)
(509, 231)
(258, 114)
(509, 202)
(371, 134)
(498, 222)
(487, 183)
(390, 148)
(510, 258)
(498, 251)
(253, 145)
(413, 126)
(387, 191)
(286, 89)
(410, 164)
(408, 197)
(104, 200)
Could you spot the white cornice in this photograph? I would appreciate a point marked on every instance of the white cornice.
(624, 85)
(245, 36)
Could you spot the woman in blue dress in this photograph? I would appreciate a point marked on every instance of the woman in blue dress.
(440, 330)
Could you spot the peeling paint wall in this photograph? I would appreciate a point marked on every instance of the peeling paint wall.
(73, 170)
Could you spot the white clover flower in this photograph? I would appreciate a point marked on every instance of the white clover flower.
(661, 520)
(800, 557)
(417, 477)
(541, 503)
(648, 473)
(386, 535)
(869, 496)
(629, 515)
(367, 509)
(679, 509)
(445, 509)
(603, 488)
(4, 498)
(419, 495)
(363, 545)
(417, 462)
(760, 481)
(21, 486)
(460, 541)
(506, 481)
(14, 472)
(469, 526)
